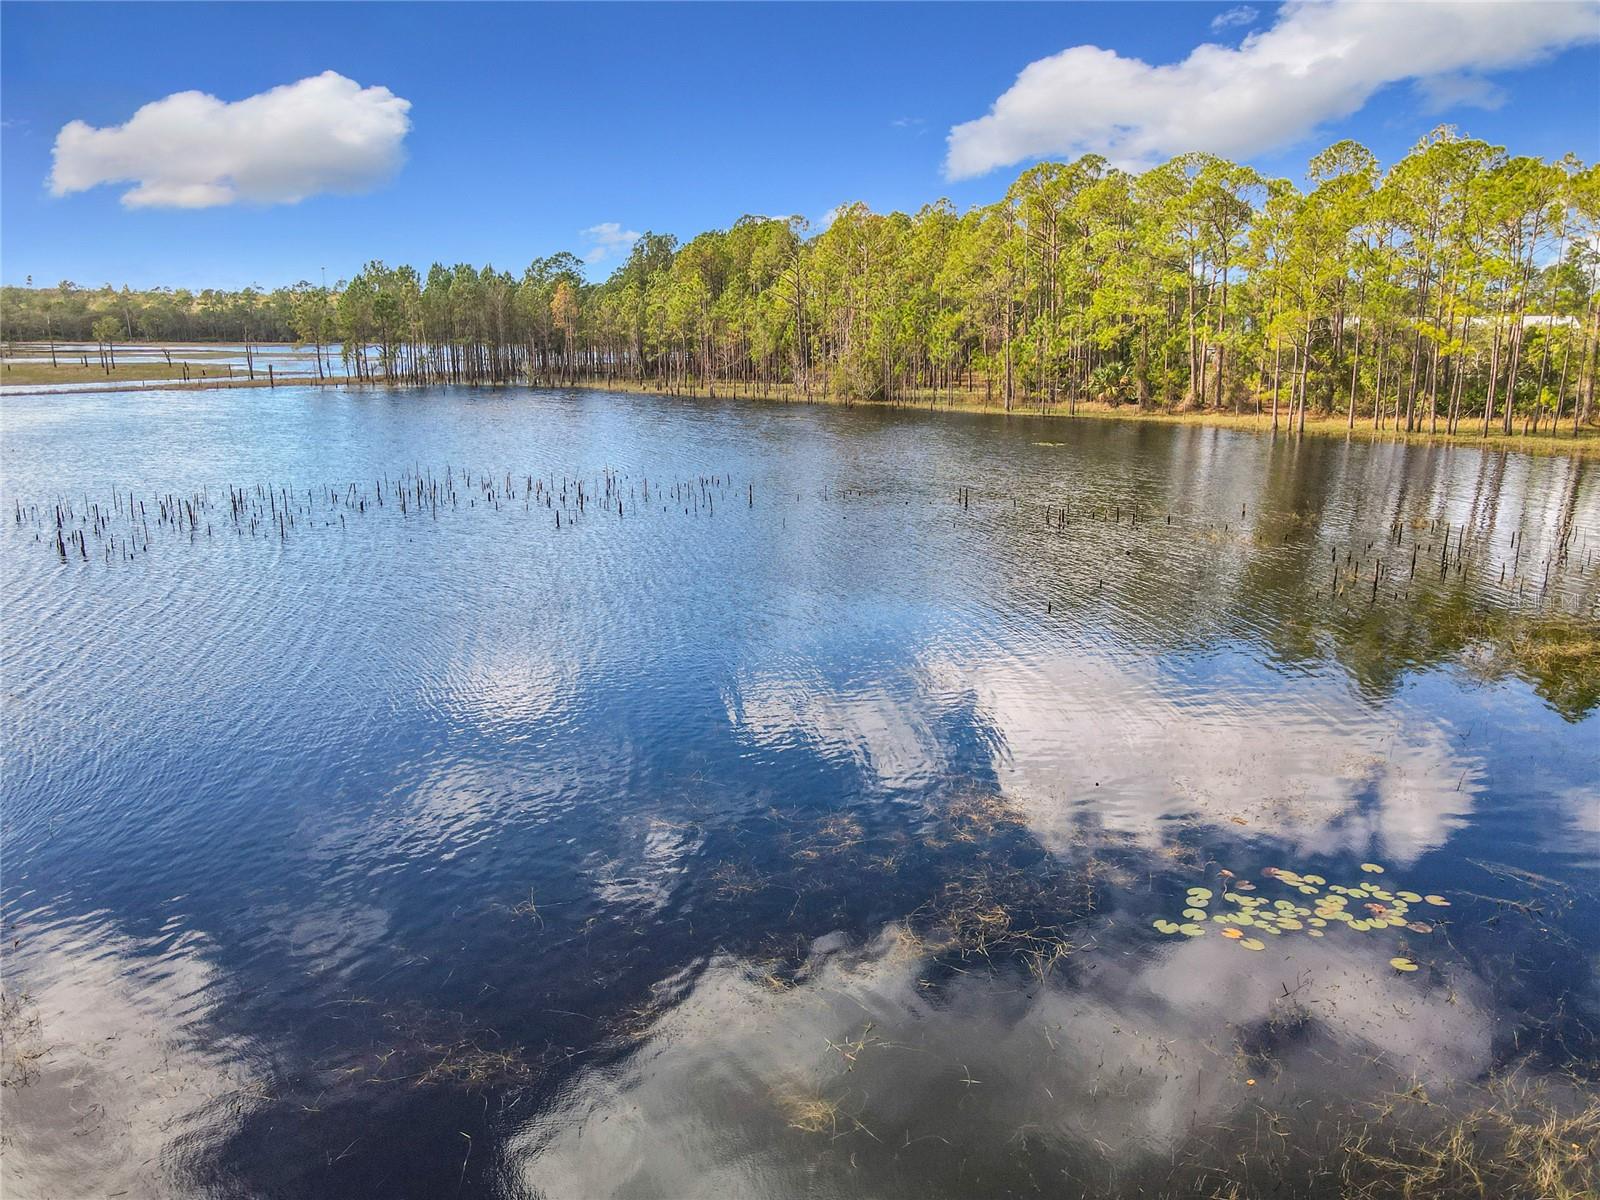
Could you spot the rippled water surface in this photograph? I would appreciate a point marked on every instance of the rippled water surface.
(791, 814)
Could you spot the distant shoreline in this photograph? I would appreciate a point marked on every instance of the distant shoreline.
(1583, 445)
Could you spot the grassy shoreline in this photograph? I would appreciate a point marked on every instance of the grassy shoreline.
(1585, 444)
(137, 371)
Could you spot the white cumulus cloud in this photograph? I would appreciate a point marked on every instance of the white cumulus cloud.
(325, 133)
(1242, 14)
(608, 238)
(1318, 62)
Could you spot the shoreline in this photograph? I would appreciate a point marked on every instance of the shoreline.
(1582, 445)
(1585, 444)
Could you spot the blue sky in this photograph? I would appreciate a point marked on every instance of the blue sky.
(530, 124)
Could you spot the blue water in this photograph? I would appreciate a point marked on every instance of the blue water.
(797, 829)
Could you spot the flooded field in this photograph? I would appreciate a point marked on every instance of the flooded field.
(535, 794)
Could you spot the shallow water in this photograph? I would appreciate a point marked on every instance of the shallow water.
(799, 828)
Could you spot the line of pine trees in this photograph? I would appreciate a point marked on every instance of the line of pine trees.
(1460, 287)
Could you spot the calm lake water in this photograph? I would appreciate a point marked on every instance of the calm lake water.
(789, 816)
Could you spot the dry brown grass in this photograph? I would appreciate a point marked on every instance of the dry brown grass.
(835, 834)
(1521, 1139)
(808, 1112)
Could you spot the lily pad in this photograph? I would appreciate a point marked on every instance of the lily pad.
(1232, 933)
(1409, 897)
(1420, 927)
(1195, 914)
(1372, 868)
(1252, 944)
(1439, 901)
(1402, 964)
(1191, 930)
(1164, 925)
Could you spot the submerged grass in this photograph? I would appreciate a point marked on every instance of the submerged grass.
(1519, 1139)
(1000, 912)
(1558, 655)
(22, 1045)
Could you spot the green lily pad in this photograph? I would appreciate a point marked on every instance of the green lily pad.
(1252, 943)
(1402, 964)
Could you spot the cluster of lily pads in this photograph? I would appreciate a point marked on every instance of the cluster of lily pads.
(1362, 907)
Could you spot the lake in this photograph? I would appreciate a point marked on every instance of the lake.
(451, 792)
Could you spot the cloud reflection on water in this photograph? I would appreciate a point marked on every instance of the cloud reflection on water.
(1080, 741)
(1133, 1062)
(134, 1087)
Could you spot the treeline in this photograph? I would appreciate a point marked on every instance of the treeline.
(1459, 286)
(69, 313)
